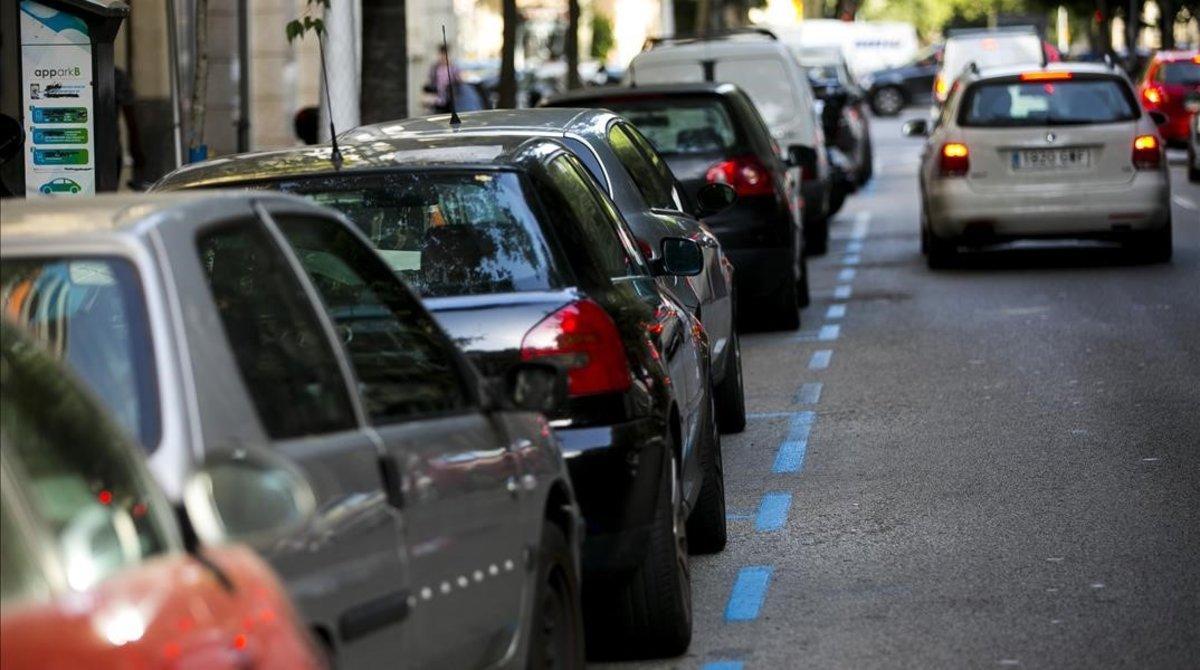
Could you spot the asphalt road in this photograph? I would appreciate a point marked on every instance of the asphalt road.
(991, 466)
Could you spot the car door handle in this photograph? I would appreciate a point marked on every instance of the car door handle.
(373, 614)
(393, 480)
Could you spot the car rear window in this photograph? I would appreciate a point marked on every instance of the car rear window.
(90, 314)
(1009, 104)
(446, 233)
(679, 125)
(1186, 73)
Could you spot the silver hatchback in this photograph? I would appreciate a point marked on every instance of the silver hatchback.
(279, 374)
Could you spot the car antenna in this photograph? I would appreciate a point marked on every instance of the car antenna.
(454, 120)
(336, 154)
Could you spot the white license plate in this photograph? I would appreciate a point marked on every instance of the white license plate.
(1051, 159)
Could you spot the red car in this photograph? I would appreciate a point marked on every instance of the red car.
(96, 573)
(1169, 79)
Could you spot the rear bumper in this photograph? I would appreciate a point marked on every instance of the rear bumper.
(955, 210)
(615, 472)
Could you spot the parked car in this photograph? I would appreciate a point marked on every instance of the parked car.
(97, 571)
(844, 114)
(1171, 76)
(1017, 46)
(1059, 151)
(1193, 147)
(413, 511)
(521, 256)
(711, 133)
(769, 73)
(642, 186)
(890, 90)
(60, 185)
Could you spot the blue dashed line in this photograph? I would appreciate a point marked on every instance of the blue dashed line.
(836, 311)
(722, 665)
(809, 394)
(851, 259)
(820, 359)
(842, 292)
(829, 333)
(854, 246)
(790, 457)
(773, 511)
(847, 274)
(749, 592)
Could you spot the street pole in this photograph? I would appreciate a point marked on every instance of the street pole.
(173, 78)
(243, 122)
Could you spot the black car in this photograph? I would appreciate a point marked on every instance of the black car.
(892, 89)
(712, 133)
(520, 256)
(843, 120)
(641, 185)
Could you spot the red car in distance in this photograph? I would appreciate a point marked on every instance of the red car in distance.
(1170, 78)
(96, 571)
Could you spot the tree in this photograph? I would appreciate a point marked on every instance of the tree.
(571, 45)
(508, 56)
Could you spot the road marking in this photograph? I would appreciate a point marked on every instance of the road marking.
(820, 359)
(842, 292)
(772, 511)
(1183, 202)
(809, 394)
(749, 592)
(854, 246)
(790, 457)
(851, 259)
(847, 274)
(738, 516)
(829, 332)
(768, 415)
(722, 665)
(836, 311)
(861, 223)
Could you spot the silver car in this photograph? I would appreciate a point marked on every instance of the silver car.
(268, 361)
(1059, 151)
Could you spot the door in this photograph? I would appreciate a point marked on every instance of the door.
(346, 569)
(456, 471)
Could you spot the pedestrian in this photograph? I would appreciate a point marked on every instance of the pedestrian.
(442, 76)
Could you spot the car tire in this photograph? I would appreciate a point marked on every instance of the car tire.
(74, 189)
(1193, 169)
(1156, 246)
(650, 614)
(940, 253)
(707, 529)
(45, 190)
(887, 101)
(730, 394)
(803, 295)
(556, 640)
(816, 235)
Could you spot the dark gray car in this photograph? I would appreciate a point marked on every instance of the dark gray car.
(641, 185)
(257, 343)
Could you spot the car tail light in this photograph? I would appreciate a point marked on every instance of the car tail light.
(584, 340)
(1154, 96)
(1042, 75)
(940, 87)
(955, 160)
(746, 174)
(1147, 152)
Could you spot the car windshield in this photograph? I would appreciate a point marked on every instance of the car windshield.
(990, 51)
(679, 125)
(446, 233)
(1047, 103)
(1186, 73)
(89, 312)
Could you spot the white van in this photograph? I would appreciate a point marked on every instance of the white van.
(867, 45)
(758, 63)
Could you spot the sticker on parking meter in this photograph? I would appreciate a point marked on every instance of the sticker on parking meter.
(56, 87)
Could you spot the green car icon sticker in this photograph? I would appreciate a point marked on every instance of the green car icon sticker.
(60, 185)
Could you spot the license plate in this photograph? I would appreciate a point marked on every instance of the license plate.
(1051, 159)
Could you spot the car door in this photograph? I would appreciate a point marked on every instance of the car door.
(455, 467)
(346, 569)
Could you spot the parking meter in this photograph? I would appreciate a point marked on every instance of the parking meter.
(59, 85)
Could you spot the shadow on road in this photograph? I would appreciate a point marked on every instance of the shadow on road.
(1049, 257)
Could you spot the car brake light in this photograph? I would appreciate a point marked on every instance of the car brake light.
(1046, 76)
(955, 160)
(1147, 153)
(1154, 96)
(584, 340)
(939, 87)
(746, 174)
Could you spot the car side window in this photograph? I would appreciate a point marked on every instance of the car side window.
(288, 364)
(650, 181)
(601, 226)
(405, 365)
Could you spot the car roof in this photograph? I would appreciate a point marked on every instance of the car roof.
(650, 90)
(380, 151)
(1176, 56)
(118, 212)
(749, 44)
(501, 121)
(1002, 71)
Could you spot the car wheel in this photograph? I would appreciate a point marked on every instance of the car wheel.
(1155, 246)
(731, 395)
(650, 615)
(557, 637)
(803, 295)
(46, 190)
(887, 101)
(74, 189)
(816, 236)
(706, 527)
(939, 253)
(1193, 169)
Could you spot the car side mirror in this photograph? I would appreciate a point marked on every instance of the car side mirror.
(681, 257)
(1158, 118)
(915, 128)
(536, 387)
(245, 495)
(804, 158)
(715, 198)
